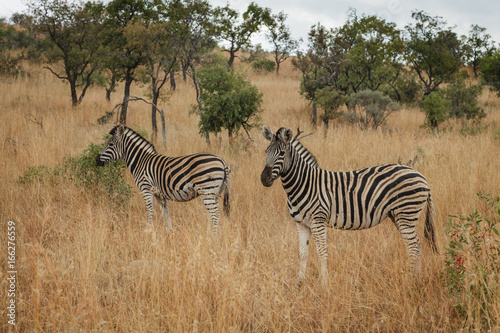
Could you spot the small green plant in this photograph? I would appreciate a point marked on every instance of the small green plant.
(35, 174)
(81, 171)
(472, 264)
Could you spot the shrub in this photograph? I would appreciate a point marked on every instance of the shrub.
(472, 264)
(436, 107)
(81, 171)
(370, 108)
(406, 89)
(264, 65)
(463, 98)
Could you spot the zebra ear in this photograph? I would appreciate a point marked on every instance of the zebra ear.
(286, 135)
(268, 134)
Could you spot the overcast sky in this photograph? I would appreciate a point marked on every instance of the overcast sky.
(302, 14)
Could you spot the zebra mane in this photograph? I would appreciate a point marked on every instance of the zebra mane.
(304, 153)
(136, 138)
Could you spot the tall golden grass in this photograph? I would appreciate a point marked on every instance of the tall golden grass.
(87, 266)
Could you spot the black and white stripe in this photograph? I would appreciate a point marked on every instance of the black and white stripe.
(169, 178)
(354, 200)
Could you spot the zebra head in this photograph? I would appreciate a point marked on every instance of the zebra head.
(113, 150)
(278, 154)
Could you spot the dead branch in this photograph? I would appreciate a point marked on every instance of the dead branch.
(299, 132)
(35, 120)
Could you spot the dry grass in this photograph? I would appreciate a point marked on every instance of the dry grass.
(90, 267)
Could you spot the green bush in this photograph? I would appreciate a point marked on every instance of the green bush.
(436, 107)
(472, 264)
(463, 98)
(264, 65)
(229, 101)
(370, 108)
(81, 171)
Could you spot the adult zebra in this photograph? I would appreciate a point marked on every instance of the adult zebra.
(169, 178)
(353, 200)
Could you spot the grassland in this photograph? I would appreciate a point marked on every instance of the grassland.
(87, 266)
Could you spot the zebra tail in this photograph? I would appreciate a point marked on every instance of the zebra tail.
(227, 189)
(429, 233)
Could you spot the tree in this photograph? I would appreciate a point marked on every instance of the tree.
(229, 101)
(238, 32)
(280, 37)
(373, 48)
(490, 71)
(73, 31)
(162, 47)
(318, 66)
(124, 51)
(433, 51)
(370, 108)
(364, 53)
(477, 45)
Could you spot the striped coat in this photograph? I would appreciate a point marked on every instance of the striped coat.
(169, 178)
(354, 200)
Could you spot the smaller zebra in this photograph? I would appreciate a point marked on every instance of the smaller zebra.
(354, 200)
(165, 178)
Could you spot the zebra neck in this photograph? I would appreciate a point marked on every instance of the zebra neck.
(295, 174)
(134, 155)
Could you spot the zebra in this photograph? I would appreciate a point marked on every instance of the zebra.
(165, 178)
(354, 200)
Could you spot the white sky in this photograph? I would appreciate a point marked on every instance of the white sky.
(302, 14)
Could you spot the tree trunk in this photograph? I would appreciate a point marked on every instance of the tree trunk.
(74, 96)
(111, 87)
(314, 116)
(154, 125)
(128, 82)
(172, 80)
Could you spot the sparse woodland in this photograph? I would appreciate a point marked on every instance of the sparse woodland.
(84, 262)
(87, 265)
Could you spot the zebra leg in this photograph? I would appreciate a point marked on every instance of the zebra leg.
(211, 204)
(166, 214)
(149, 200)
(409, 235)
(319, 233)
(304, 236)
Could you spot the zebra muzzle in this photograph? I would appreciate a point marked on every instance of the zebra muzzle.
(266, 176)
(98, 161)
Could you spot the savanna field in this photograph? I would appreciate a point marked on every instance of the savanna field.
(87, 265)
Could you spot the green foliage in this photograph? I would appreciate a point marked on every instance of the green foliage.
(476, 45)
(436, 107)
(106, 182)
(255, 53)
(490, 71)
(406, 89)
(472, 265)
(10, 65)
(237, 31)
(370, 108)
(33, 174)
(362, 54)
(264, 65)
(229, 101)
(280, 37)
(463, 98)
(73, 33)
(433, 51)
